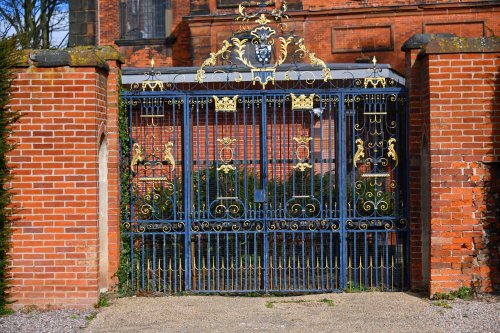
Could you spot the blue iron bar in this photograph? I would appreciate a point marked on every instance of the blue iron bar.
(321, 247)
(341, 148)
(283, 235)
(198, 157)
(275, 260)
(255, 258)
(246, 260)
(330, 156)
(217, 152)
(142, 264)
(217, 254)
(176, 286)
(354, 261)
(263, 171)
(227, 261)
(153, 287)
(164, 252)
(387, 259)
(366, 260)
(207, 187)
(376, 258)
(187, 172)
(331, 259)
(294, 263)
(236, 255)
(211, 93)
(303, 261)
(313, 258)
(209, 257)
(198, 246)
(186, 152)
(245, 159)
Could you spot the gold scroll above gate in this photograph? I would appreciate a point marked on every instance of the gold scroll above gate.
(268, 32)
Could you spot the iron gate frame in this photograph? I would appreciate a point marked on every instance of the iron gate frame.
(371, 171)
(341, 138)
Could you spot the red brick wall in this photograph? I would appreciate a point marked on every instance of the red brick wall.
(342, 36)
(456, 107)
(55, 245)
(327, 27)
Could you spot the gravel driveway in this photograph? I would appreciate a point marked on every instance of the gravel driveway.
(360, 312)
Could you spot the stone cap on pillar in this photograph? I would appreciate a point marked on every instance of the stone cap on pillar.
(74, 57)
(463, 45)
(450, 43)
(418, 41)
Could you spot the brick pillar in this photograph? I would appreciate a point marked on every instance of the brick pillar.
(417, 76)
(457, 95)
(68, 99)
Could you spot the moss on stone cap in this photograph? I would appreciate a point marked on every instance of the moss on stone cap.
(462, 45)
(81, 56)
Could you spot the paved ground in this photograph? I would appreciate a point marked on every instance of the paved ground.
(361, 312)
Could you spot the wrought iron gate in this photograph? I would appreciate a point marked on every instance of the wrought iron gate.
(300, 186)
(268, 191)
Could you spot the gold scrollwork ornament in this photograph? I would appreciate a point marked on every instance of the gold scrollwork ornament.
(392, 151)
(302, 142)
(138, 155)
(226, 143)
(360, 153)
(168, 157)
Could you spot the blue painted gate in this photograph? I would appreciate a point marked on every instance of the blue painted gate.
(285, 190)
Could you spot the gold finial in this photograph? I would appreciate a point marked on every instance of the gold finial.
(152, 63)
(374, 61)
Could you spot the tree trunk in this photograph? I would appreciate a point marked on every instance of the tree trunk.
(44, 24)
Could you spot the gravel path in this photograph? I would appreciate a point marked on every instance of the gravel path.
(47, 321)
(363, 312)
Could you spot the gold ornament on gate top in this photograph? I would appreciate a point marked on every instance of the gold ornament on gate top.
(374, 80)
(255, 51)
(153, 82)
(302, 102)
(225, 104)
(302, 146)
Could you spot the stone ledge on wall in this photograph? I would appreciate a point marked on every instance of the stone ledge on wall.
(75, 57)
(450, 43)
(442, 45)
